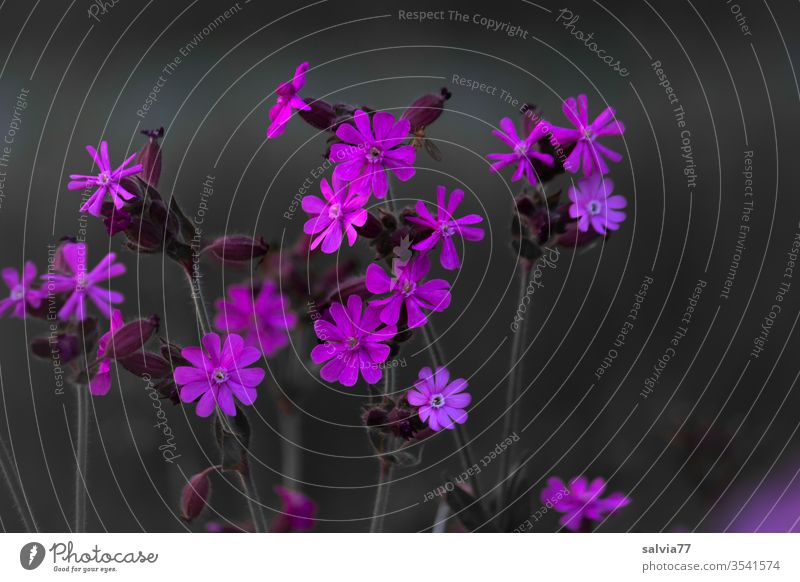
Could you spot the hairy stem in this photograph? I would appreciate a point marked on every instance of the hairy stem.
(196, 291)
(5, 466)
(515, 369)
(381, 496)
(82, 457)
(253, 503)
(290, 447)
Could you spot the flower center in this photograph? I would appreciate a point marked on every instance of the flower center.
(104, 178)
(594, 207)
(587, 133)
(521, 149)
(408, 287)
(437, 401)
(374, 154)
(17, 293)
(219, 375)
(335, 211)
(352, 343)
(81, 281)
(447, 229)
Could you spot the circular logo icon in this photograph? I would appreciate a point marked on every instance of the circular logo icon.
(31, 555)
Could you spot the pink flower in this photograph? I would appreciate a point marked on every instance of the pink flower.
(21, 293)
(217, 374)
(82, 284)
(263, 320)
(441, 402)
(523, 149)
(405, 289)
(280, 113)
(297, 513)
(106, 182)
(587, 152)
(581, 500)
(445, 226)
(365, 157)
(101, 383)
(352, 343)
(336, 216)
(593, 205)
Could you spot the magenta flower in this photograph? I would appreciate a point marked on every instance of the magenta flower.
(445, 226)
(581, 500)
(587, 152)
(101, 383)
(365, 157)
(21, 293)
(263, 320)
(352, 343)
(405, 289)
(280, 113)
(218, 373)
(441, 402)
(593, 205)
(82, 284)
(336, 216)
(106, 182)
(297, 513)
(523, 149)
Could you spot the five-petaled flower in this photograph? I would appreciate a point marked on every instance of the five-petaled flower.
(106, 182)
(21, 294)
(592, 204)
(335, 217)
(370, 151)
(445, 226)
(262, 317)
(101, 383)
(522, 150)
(581, 500)
(587, 153)
(297, 512)
(81, 283)
(218, 373)
(405, 289)
(288, 100)
(441, 403)
(352, 343)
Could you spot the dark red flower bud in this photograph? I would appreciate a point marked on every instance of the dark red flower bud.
(144, 364)
(163, 218)
(171, 353)
(195, 495)
(321, 116)
(237, 248)
(375, 417)
(150, 156)
(131, 337)
(372, 227)
(116, 220)
(426, 109)
(63, 347)
(144, 236)
(356, 286)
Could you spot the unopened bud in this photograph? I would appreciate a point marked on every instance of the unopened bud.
(426, 109)
(237, 248)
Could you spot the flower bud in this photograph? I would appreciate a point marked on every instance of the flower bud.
(150, 156)
(144, 364)
(371, 228)
(131, 337)
(426, 109)
(195, 495)
(163, 218)
(321, 115)
(64, 347)
(237, 248)
(116, 220)
(144, 236)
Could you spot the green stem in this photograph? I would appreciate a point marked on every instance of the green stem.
(381, 496)
(514, 385)
(82, 457)
(253, 502)
(5, 464)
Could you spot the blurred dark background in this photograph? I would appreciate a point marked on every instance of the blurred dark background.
(717, 435)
